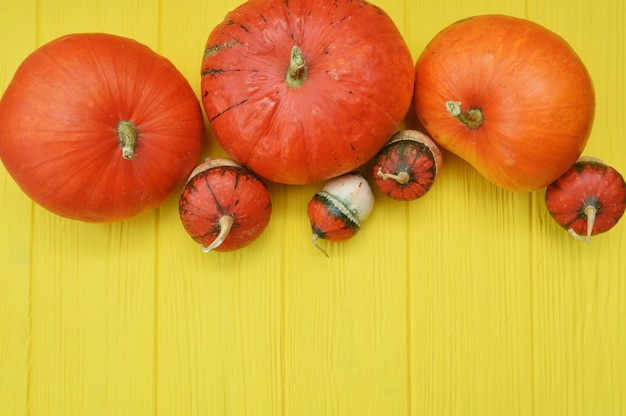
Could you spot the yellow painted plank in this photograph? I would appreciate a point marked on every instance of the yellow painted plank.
(92, 331)
(345, 319)
(470, 318)
(137, 19)
(18, 24)
(219, 322)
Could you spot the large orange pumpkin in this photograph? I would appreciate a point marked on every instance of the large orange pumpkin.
(507, 95)
(301, 91)
(98, 127)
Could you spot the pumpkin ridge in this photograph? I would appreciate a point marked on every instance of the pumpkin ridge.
(90, 185)
(101, 62)
(58, 64)
(166, 103)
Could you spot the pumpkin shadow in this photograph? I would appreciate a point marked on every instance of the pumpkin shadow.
(411, 122)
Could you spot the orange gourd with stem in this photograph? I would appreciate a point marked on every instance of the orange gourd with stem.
(507, 95)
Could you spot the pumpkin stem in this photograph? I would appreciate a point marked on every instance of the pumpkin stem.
(401, 178)
(590, 212)
(472, 118)
(127, 134)
(225, 223)
(314, 239)
(297, 72)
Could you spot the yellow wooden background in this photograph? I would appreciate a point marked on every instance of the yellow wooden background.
(470, 301)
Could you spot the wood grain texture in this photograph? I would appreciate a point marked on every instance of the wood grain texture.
(15, 234)
(469, 301)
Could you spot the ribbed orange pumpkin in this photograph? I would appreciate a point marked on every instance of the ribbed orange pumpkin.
(301, 91)
(97, 127)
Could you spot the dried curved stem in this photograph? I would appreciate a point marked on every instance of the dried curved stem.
(225, 223)
(472, 118)
(590, 211)
(401, 178)
(314, 239)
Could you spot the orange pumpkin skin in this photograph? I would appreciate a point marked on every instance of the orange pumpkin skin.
(357, 88)
(59, 120)
(536, 98)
